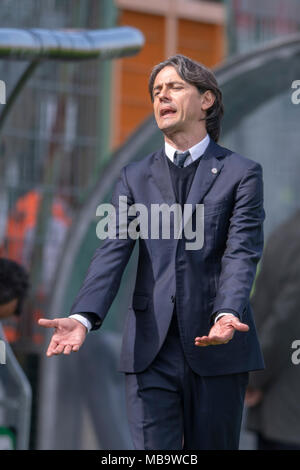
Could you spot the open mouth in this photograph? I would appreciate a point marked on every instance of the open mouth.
(167, 112)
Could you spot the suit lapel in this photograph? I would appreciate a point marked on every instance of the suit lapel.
(162, 178)
(207, 172)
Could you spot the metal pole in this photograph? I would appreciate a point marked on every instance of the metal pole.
(23, 405)
(70, 44)
(38, 44)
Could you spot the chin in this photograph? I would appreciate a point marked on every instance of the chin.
(167, 127)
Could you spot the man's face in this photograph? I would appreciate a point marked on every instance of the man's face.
(7, 310)
(178, 106)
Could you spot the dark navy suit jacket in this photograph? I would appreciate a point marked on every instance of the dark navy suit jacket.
(217, 277)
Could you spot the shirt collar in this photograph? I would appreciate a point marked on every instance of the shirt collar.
(195, 152)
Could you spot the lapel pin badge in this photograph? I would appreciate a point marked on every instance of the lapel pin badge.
(214, 170)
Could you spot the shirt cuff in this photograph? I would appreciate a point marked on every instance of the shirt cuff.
(82, 320)
(222, 315)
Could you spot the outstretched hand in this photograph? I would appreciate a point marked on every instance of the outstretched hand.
(68, 336)
(222, 331)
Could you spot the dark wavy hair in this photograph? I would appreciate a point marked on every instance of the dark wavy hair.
(14, 283)
(203, 79)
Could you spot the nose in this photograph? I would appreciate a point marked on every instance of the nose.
(163, 93)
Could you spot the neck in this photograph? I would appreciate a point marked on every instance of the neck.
(182, 141)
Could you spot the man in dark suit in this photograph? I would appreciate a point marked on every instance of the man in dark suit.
(189, 338)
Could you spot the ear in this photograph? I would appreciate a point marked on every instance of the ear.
(208, 99)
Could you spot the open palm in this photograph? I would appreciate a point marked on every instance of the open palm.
(222, 331)
(68, 336)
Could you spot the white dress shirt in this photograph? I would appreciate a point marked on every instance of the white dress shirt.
(195, 152)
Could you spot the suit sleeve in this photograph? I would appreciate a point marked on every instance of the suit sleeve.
(104, 274)
(244, 245)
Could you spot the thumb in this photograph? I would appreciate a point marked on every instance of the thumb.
(45, 322)
(239, 325)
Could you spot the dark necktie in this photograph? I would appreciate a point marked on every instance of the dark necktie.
(179, 158)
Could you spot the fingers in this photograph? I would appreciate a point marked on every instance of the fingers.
(215, 337)
(59, 349)
(234, 322)
(67, 349)
(48, 323)
(56, 348)
(210, 340)
(239, 325)
(51, 348)
(203, 341)
(70, 348)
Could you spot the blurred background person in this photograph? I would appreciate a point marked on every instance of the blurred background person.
(273, 394)
(21, 238)
(14, 285)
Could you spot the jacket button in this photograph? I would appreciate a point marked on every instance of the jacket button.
(172, 298)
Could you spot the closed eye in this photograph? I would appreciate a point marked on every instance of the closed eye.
(170, 86)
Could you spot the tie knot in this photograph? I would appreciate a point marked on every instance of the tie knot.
(179, 158)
